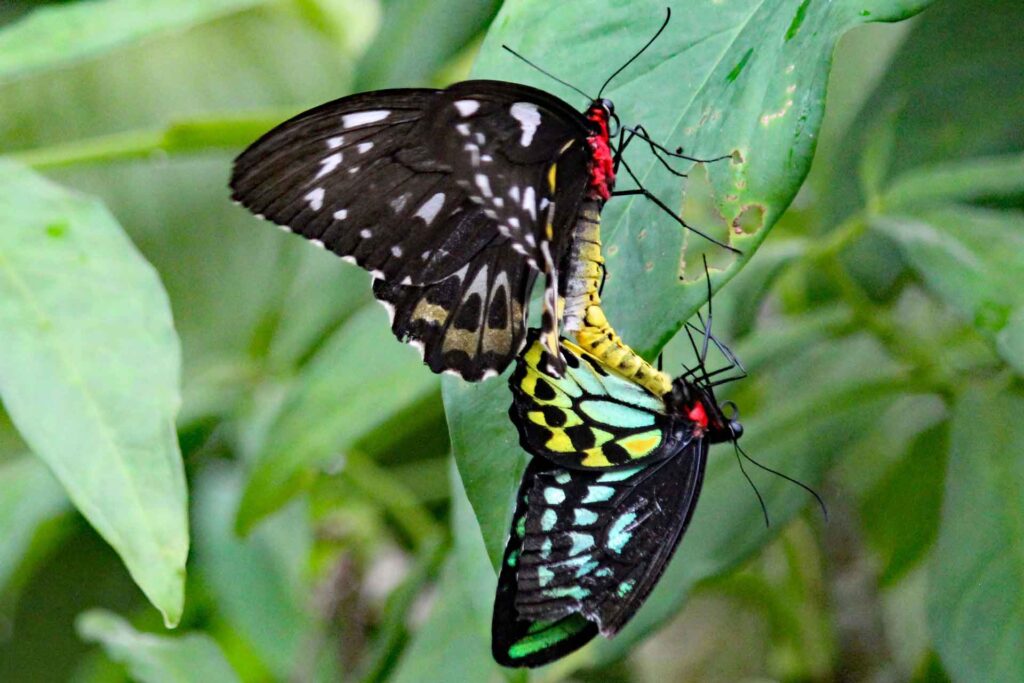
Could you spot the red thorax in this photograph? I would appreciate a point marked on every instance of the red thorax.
(602, 171)
(699, 417)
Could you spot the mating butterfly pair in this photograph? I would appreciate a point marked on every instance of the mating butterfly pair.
(454, 200)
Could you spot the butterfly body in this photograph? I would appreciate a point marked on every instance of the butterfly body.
(603, 504)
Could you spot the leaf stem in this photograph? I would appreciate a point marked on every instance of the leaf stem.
(401, 504)
(227, 132)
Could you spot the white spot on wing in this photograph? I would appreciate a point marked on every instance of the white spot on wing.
(341, 214)
(463, 128)
(349, 258)
(428, 212)
(328, 164)
(364, 147)
(315, 197)
(336, 142)
(529, 120)
(467, 107)
(285, 228)
(396, 251)
(484, 184)
(317, 243)
(530, 202)
(365, 233)
(513, 192)
(361, 118)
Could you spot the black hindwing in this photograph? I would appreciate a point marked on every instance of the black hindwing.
(586, 549)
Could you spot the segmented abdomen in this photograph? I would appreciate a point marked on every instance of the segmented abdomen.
(583, 316)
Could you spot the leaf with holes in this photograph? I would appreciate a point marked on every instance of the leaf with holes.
(746, 77)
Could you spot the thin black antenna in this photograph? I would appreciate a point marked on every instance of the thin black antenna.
(668, 15)
(805, 487)
(707, 328)
(548, 73)
(764, 508)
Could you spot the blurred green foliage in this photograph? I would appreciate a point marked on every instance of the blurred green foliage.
(331, 534)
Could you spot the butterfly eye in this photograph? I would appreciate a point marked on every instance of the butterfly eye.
(613, 130)
(608, 106)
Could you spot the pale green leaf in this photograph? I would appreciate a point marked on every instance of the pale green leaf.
(191, 658)
(90, 373)
(60, 35)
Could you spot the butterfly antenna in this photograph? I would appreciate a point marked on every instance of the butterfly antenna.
(549, 74)
(668, 15)
(707, 326)
(739, 461)
(805, 487)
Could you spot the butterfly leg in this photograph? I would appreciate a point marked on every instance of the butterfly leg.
(644, 192)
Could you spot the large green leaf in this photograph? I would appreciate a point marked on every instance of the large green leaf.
(29, 497)
(747, 77)
(975, 604)
(57, 36)
(359, 379)
(90, 373)
(192, 658)
(973, 259)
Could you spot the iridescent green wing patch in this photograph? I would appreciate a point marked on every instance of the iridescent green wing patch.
(589, 418)
(586, 549)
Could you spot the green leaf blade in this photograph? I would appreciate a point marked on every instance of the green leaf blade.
(722, 79)
(975, 605)
(54, 37)
(88, 338)
(359, 379)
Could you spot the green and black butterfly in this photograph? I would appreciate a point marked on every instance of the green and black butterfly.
(603, 507)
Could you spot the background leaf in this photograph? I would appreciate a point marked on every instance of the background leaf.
(31, 498)
(156, 659)
(333, 403)
(90, 374)
(57, 36)
(975, 606)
